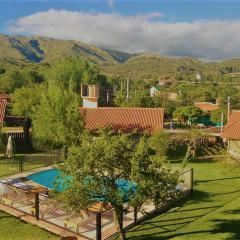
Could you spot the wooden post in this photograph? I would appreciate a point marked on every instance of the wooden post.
(135, 214)
(98, 226)
(121, 221)
(37, 206)
(21, 160)
(228, 107)
(192, 181)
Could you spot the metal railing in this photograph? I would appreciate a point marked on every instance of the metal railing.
(25, 197)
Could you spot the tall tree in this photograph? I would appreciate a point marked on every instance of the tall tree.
(24, 100)
(98, 165)
(57, 119)
(183, 114)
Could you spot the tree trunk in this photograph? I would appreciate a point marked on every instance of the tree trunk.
(118, 223)
(65, 152)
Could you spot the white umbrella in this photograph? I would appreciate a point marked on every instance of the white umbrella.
(9, 151)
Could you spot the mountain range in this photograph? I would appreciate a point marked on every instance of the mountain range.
(19, 51)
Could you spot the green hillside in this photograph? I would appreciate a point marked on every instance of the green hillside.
(16, 49)
(19, 52)
(157, 67)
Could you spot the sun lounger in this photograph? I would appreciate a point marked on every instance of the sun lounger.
(89, 224)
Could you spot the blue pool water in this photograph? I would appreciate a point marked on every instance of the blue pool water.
(48, 177)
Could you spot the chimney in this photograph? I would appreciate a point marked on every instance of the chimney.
(90, 95)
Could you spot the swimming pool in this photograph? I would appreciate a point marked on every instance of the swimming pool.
(48, 178)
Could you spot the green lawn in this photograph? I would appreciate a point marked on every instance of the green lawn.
(212, 213)
(12, 228)
(8, 166)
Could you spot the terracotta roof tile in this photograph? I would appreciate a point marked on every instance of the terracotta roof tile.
(4, 96)
(232, 129)
(3, 103)
(207, 106)
(124, 119)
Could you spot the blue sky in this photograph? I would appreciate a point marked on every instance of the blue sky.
(172, 16)
(173, 10)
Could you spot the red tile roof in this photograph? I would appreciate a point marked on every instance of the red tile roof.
(4, 96)
(232, 129)
(207, 106)
(124, 119)
(3, 103)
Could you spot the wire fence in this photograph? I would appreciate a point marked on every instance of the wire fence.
(24, 162)
(96, 223)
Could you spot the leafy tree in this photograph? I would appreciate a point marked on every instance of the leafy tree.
(2, 70)
(57, 119)
(6, 84)
(216, 115)
(72, 72)
(120, 99)
(97, 164)
(183, 114)
(192, 138)
(137, 99)
(24, 100)
(155, 182)
(169, 106)
(160, 142)
(18, 79)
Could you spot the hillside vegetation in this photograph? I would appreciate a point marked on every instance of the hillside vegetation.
(16, 52)
(156, 67)
(16, 49)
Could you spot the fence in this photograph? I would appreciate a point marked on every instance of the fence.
(97, 223)
(24, 162)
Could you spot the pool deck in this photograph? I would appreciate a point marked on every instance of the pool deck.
(25, 174)
(42, 224)
(31, 219)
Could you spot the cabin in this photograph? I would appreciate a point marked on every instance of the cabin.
(154, 90)
(127, 120)
(231, 132)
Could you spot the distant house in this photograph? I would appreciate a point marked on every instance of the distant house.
(154, 90)
(120, 119)
(198, 76)
(231, 132)
(207, 106)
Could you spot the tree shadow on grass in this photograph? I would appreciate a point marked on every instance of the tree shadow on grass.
(228, 227)
(5, 217)
(215, 180)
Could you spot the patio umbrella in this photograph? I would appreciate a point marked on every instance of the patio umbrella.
(9, 151)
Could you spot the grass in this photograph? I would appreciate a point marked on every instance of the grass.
(12, 228)
(211, 213)
(8, 167)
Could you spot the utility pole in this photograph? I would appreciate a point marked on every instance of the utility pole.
(164, 99)
(127, 89)
(228, 106)
(107, 97)
(221, 122)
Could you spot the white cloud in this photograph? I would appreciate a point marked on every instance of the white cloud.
(140, 33)
(111, 3)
